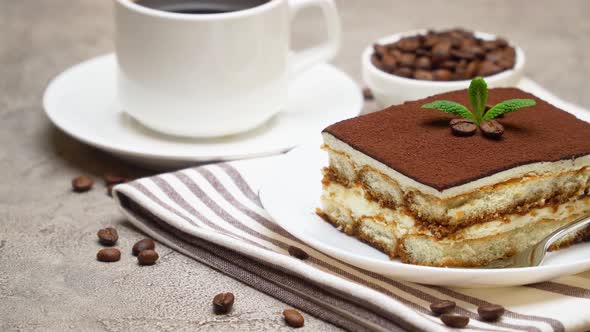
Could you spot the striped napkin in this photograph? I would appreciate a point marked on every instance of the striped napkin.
(212, 213)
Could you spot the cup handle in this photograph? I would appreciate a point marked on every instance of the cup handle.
(304, 59)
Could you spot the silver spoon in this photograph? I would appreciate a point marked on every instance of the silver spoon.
(534, 255)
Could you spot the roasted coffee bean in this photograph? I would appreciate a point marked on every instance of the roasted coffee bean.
(461, 54)
(488, 68)
(407, 59)
(108, 255)
(492, 129)
(377, 62)
(490, 312)
(423, 75)
(463, 127)
(441, 75)
(293, 318)
(82, 183)
(108, 236)
(389, 62)
(455, 321)
(442, 307)
(423, 63)
(441, 51)
(111, 178)
(458, 51)
(147, 257)
(298, 252)
(380, 50)
(449, 64)
(223, 302)
(408, 44)
(368, 94)
(471, 69)
(403, 72)
(145, 244)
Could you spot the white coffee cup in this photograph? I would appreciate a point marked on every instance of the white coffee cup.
(207, 75)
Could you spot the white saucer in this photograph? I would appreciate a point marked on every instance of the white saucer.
(296, 214)
(81, 101)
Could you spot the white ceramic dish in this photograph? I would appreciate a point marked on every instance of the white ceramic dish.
(296, 214)
(81, 101)
(392, 90)
(300, 173)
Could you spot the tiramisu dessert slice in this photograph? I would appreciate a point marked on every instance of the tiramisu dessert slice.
(405, 182)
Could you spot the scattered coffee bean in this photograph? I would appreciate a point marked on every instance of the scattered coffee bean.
(455, 321)
(442, 307)
(111, 178)
(298, 253)
(108, 255)
(223, 302)
(463, 127)
(147, 257)
(293, 318)
(108, 236)
(368, 94)
(457, 50)
(490, 312)
(142, 245)
(492, 129)
(82, 183)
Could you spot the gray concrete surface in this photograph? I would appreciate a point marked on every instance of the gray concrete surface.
(49, 279)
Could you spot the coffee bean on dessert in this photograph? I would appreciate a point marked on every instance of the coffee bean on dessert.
(368, 94)
(490, 312)
(145, 244)
(442, 307)
(82, 183)
(223, 302)
(147, 257)
(108, 236)
(297, 252)
(111, 178)
(108, 255)
(463, 127)
(293, 318)
(423, 75)
(492, 129)
(455, 321)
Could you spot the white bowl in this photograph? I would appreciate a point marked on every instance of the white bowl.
(390, 89)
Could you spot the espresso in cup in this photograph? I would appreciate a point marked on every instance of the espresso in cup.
(201, 6)
(209, 68)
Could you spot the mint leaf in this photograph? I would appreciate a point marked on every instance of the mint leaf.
(450, 107)
(508, 106)
(478, 96)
